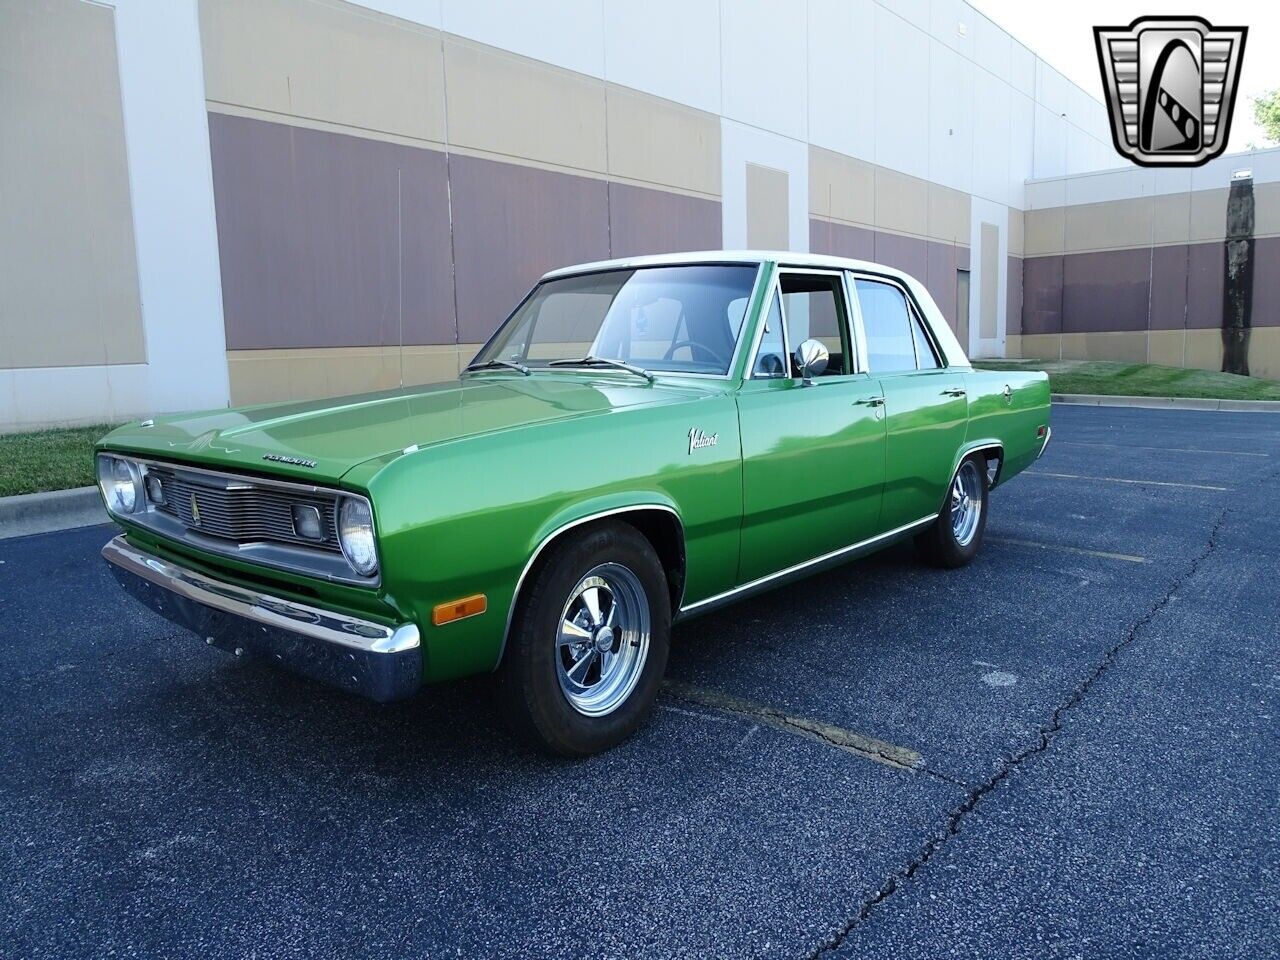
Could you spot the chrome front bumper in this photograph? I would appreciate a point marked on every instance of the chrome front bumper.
(380, 662)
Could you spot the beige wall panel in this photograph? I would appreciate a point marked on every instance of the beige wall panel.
(1171, 218)
(1266, 209)
(511, 105)
(841, 187)
(467, 352)
(325, 60)
(68, 264)
(1045, 232)
(1041, 346)
(1016, 237)
(767, 220)
(1166, 347)
(1075, 346)
(948, 214)
(1013, 347)
(432, 364)
(1127, 346)
(1264, 352)
(261, 376)
(1208, 215)
(902, 203)
(1102, 226)
(1204, 349)
(658, 141)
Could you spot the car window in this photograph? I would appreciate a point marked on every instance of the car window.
(888, 326)
(814, 309)
(926, 359)
(680, 319)
(771, 358)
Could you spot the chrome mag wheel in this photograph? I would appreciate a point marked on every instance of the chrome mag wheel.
(604, 640)
(966, 503)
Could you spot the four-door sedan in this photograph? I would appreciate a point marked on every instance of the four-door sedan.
(641, 441)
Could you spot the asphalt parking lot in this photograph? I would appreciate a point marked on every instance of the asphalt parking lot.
(1083, 733)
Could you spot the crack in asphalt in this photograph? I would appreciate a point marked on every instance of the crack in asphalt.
(1044, 738)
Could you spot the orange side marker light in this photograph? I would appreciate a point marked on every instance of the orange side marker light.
(471, 606)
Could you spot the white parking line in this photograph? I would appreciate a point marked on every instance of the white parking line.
(1127, 557)
(1141, 483)
(1129, 446)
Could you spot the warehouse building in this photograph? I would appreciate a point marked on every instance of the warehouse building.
(232, 201)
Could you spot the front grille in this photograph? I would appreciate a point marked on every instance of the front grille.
(238, 510)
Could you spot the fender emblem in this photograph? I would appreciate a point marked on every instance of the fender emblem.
(699, 440)
(296, 461)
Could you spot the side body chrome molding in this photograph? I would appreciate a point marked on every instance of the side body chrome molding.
(803, 568)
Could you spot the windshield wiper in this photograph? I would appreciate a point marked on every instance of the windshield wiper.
(592, 361)
(490, 364)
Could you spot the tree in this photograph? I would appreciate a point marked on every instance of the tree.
(1266, 113)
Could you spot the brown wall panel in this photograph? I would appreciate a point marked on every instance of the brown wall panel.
(1266, 282)
(909, 254)
(1013, 299)
(512, 224)
(1169, 287)
(1041, 295)
(1106, 291)
(1204, 286)
(324, 238)
(644, 221)
(841, 240)
(940, 277)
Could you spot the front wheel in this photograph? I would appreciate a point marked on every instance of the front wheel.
(588, 645)
(954, 537)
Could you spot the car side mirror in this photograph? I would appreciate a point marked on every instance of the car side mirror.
(811, 358)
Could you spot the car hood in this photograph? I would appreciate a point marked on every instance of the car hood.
(332, 436)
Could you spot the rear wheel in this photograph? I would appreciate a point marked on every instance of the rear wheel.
(954, 537)
(589, 642)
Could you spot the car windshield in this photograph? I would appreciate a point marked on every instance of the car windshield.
(678, 319)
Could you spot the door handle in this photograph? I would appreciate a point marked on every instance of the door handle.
(953, 392)
(871, 402)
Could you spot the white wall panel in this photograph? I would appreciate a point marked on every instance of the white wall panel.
(1052, 88)
(643, 51)
(945, 19)
(842, 109)
(902, 95)
(425, 12)
(1021, 143)
(991, 136)
(950, 117)
(1050, 159)
(764, 46)
(171, 181)
(915, 12)
(992, 47)
(1022, 69)
(568, 33)
(741, 144)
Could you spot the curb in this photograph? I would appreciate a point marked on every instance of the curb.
(44, 512)
(1168, 403)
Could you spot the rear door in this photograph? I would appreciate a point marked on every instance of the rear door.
(813, 454)
(926, 410)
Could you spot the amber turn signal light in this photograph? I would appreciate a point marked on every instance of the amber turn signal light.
(459, 609)
(1040, 433)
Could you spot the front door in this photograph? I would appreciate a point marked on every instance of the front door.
(925, 404)
(813, 454)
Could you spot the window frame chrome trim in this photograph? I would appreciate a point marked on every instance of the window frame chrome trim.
(774, 290)
(913, 311)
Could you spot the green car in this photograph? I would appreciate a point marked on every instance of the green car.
(640, 442)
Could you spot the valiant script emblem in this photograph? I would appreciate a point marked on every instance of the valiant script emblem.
(699, 440)
(1170, 85)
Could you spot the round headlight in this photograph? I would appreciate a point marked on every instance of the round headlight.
(119, 484)
(355, 533)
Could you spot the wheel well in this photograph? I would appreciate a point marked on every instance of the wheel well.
(663, 530)
(994, 457)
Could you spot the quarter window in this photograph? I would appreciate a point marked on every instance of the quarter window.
(888, 325)
(771, 359)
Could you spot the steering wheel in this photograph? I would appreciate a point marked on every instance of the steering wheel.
(694, 346)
